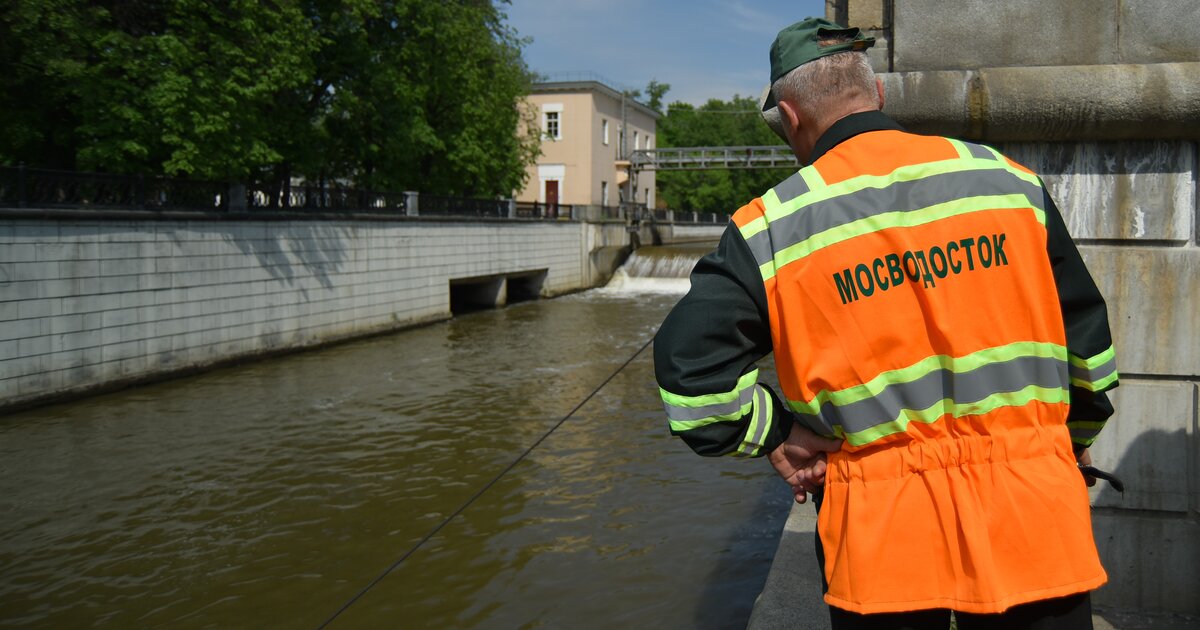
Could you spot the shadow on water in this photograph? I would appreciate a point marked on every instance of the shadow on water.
(732, 587)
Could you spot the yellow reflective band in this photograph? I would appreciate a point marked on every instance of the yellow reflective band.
(903, 174)
(966, 363)
(811, 177)
(1095, 386)
(963, 151)
(1095, 361)
(746, 380)
(900, 219)
(946, 406)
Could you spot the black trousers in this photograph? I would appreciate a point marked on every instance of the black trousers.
(1064, 613)
(1073, 612)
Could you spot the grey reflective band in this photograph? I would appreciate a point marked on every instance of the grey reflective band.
(715, 410)
(756, 432)
(791, 188)
(760, 247)
(1084, 433)
(1089, 379)
(978, 151)
(963, 388)
(899, 196)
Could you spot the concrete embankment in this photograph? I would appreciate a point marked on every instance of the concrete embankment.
(96, 303)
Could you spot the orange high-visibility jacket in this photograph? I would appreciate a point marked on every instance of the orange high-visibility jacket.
(911, 288)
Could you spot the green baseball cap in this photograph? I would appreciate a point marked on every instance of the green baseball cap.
(798, 44)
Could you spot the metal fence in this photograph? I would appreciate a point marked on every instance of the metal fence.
(437, 205)
(536, 210)
(22, 187)
(27, 187)
(323, 198)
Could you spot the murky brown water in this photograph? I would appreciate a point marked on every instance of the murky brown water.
(270, 494)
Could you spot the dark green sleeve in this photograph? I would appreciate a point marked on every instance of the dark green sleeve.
(705, 355)
(1091, 359)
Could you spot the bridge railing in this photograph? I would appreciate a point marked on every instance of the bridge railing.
(704, 158)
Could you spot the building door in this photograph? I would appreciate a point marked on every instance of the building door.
(552, 197)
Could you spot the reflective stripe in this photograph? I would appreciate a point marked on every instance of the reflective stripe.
(967, 149)
(1094, 374)
(760, 423)
(812, 177)
(1084, 432)
(760, 247)
(954, 409)
(690, 412)
(819, 192)
(886, 403)
(800, 231)
(791, 188)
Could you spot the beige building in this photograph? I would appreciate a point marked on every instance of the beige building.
(583, 162)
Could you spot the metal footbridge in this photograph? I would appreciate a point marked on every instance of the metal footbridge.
(712, 158)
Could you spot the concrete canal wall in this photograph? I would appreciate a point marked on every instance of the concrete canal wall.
(88, 304)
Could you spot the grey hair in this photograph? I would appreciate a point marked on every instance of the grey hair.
(840, 76)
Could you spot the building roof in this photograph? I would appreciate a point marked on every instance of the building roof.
(552, 87)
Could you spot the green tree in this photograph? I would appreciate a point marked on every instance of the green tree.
(655, 92)
(717, 123)
(395, 94)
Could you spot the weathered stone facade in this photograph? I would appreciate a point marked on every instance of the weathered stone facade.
(1101, 97)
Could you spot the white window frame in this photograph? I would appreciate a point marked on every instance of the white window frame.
(556, 109)
(604, 193)
(604, 129)
(637, 142)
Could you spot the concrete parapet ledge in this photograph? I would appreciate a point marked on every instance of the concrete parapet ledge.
(1050, 103)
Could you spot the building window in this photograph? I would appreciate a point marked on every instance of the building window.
(604, 129)
(649, 142)
(552, 128)
(637, 142)
(604, 193)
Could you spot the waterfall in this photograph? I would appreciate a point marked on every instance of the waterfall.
(658, 269)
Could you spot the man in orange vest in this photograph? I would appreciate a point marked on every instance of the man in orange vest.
(942, 351)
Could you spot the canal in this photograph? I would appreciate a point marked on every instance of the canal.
(270, 494)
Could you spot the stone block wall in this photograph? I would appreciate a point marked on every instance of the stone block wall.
(935, 35)
(1102, 98)
(89, 304)
(1132, 208)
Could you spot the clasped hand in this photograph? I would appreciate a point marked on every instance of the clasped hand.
(801, 460)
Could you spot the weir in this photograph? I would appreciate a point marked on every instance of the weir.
(660, 268)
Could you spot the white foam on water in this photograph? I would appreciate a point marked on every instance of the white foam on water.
(622, 284)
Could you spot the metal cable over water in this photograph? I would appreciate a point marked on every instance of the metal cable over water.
(484, 489)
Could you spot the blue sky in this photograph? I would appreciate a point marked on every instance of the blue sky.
(703, 48)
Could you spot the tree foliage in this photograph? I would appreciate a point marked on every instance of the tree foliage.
(717, 123)
(399, 94)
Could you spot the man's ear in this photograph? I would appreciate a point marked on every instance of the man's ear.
(879, 89)
(790, 118)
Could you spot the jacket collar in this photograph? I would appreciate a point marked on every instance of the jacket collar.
(851, 126)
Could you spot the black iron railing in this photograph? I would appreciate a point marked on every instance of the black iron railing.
(28, 187)
(22, 187)
(436, 205)
(537, 210)
(327, 198)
